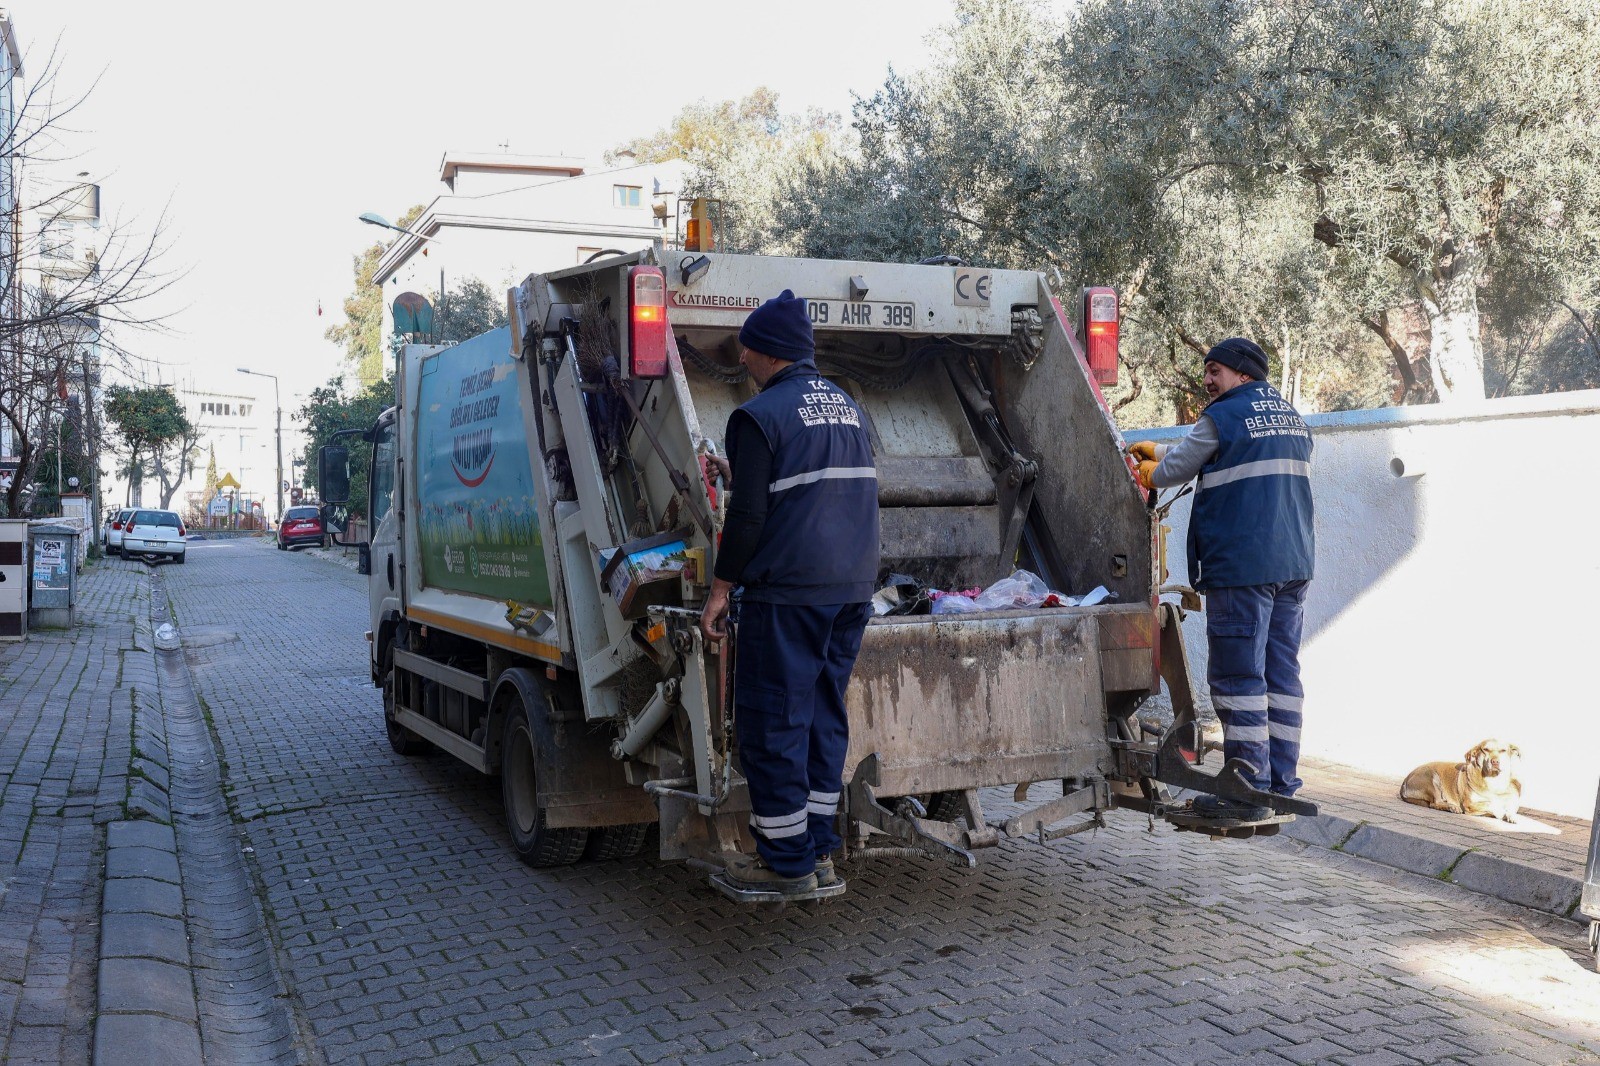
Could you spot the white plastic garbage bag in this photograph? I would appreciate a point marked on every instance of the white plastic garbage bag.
(954, 603)
(1021, 589)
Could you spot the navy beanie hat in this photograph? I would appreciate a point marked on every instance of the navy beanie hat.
(780, 328)
(1245, 356)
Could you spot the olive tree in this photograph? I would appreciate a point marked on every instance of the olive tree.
(1443, 147)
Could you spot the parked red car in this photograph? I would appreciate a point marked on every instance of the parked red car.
(301, 526)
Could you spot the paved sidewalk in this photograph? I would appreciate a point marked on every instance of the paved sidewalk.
(67, 700)
(1536, 862)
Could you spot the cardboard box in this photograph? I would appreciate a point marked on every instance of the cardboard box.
(645, 573)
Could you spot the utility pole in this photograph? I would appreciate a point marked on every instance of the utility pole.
(277, 404)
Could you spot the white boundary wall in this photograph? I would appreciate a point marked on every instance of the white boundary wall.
(1457, 602)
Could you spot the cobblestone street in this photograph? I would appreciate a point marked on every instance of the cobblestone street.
(407, 931)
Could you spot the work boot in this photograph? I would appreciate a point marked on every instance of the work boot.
(750, 873)
(827, 876)
(1220, 808)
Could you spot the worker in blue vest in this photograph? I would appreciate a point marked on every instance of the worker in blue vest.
(1251, 550)
(799, 555)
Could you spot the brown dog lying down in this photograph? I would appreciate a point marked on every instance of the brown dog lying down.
(1486, 783)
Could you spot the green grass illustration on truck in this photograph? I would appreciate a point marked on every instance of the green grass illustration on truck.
(478, 530)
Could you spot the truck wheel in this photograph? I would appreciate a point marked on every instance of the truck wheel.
(617, 841)
(945, 806)
(535, 842)
(401, 739)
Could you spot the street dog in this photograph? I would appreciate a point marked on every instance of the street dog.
(1485, 783)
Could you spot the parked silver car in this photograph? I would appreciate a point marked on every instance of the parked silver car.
(155, 534)
(111, 533)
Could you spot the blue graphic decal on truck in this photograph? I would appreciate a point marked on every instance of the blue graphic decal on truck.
(478, 523)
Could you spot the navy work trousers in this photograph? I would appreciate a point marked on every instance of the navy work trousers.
(1253, 632)
(793, 663)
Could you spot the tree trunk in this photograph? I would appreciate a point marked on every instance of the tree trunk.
(1455, 350)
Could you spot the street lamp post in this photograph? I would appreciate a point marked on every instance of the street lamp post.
(373, 219)
(278, 411)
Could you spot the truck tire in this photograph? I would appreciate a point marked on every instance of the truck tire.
(535, 842)
(617, 841)
(401, 739)
(944, 806)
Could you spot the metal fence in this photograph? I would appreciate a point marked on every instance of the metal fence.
(244, 511)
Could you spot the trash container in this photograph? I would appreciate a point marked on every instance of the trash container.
(55, 575)
(13, 578)
(1589, 902)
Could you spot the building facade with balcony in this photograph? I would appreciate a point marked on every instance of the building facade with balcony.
(503, 217)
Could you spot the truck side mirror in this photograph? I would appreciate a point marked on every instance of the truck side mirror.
(333, 473)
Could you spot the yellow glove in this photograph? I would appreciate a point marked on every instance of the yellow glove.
(1142, 450)
(1147, 470)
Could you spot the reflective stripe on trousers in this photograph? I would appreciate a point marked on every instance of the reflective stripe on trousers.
(790, 674)
(1253, 634)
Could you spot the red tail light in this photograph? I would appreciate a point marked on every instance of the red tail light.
(181, 532)
(647, 322)
(1100, 329)
(117, 526)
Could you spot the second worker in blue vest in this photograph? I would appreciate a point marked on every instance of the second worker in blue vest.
(1251, 551)
(800, 545)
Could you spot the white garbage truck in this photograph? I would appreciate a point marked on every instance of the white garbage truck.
(544, 518)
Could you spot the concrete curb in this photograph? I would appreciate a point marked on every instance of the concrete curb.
(145, 1003)
(1471, 869)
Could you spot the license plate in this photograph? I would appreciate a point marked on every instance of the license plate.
(861, 314)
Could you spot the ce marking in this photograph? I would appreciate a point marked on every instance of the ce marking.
(973, 287)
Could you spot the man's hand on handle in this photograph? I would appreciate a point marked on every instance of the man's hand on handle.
(714, 616)
(1142, 450)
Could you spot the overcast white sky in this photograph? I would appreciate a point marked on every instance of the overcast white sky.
(264, 130)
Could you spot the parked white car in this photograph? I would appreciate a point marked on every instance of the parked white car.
(154, 534)
(116, 525)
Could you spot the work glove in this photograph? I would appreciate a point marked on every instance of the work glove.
(1147, 470)
(1142, 450)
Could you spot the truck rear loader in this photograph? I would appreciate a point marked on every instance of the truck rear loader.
(544, 515)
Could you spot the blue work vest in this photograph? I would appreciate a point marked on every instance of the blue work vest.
(819, 544)
(1252, 519)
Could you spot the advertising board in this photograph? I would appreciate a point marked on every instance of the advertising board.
(478, 523)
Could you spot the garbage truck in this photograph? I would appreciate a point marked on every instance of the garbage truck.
(544, 514)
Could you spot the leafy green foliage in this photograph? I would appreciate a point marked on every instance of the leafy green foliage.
(1394, 199)
(361, 333)
(148, 420)
(472, 308)
(742, 153)
(330, 408)
(705, 130)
